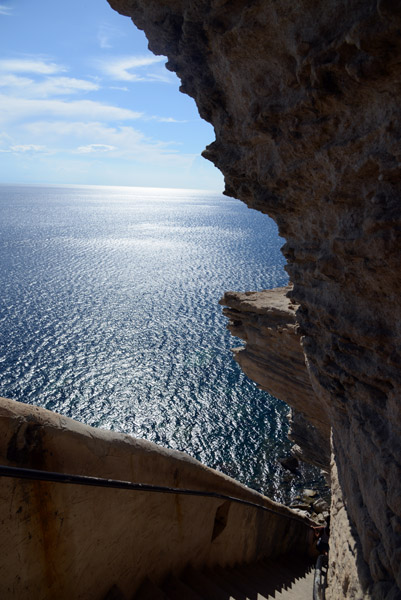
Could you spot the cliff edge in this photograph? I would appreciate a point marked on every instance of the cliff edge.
(304, 100)
(273, 357)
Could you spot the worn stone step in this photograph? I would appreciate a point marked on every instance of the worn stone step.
(223, 581)
(243, 582)
(286, 578)
(150, 591)
(265, 579)
(175, 589)
(276, 580)
(272, 572)
(281, 571)
(200, 583)
(301, 589)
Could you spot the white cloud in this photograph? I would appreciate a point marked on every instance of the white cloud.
(63, 85)
(95, 148)
(50, 86)
(94, 138)
(5, 139)
(5, 10)
(94, 152)
(14, 81)
(106, 34)
(103, 38)
(27, 148)
(120, 68)
(166, 120)
(14, 109)
(30, 65)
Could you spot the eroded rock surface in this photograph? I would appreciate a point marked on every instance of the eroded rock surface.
(274, 358)
(304, 99)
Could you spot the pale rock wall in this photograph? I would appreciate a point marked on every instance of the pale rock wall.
(73, 542)
(304, 99)
(274, 358)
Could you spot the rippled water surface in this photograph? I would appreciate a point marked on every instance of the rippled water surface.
(109, 314)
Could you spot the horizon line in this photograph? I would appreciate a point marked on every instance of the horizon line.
(150, 187)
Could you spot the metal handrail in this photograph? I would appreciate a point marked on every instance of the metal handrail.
(37, 475)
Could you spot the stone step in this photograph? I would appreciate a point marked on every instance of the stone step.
(202, 584)
(263, 578)
(286, 578)
(150, 591)
(225, 582)
(249, 587)
(176, 589)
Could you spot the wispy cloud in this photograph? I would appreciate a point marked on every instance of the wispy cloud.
(45, 116)
(63, 85)
(166, 120)
(30, 65)
(14, 109)
(27, 148)
(50, 86)
(5, 10)
(106, 34)
(133, 68)
(9, 80)
(103, 37)
(90, 148)
(100, 139)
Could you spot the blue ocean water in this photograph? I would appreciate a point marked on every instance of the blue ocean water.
(109, 314)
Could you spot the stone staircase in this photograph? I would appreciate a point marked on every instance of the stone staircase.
(287, 578)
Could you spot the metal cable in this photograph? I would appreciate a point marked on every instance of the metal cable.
(37, 475)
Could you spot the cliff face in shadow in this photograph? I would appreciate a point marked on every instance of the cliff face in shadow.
(304, 99)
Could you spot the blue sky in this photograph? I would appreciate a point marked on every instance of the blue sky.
(83, 101)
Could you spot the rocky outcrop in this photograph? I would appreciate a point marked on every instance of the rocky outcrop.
(304, 99)
(274, 358)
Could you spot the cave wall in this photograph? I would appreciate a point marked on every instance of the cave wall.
(304, 100)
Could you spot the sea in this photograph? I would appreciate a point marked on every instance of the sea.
(109, 314)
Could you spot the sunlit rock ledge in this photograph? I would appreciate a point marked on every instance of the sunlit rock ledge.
(274, 358)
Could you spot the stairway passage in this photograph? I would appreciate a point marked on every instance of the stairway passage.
(287, 578)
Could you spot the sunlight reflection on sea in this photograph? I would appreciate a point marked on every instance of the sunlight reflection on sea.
(109, 314)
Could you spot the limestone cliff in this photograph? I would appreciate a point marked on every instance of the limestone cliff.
(304, 99)
(274, 358)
